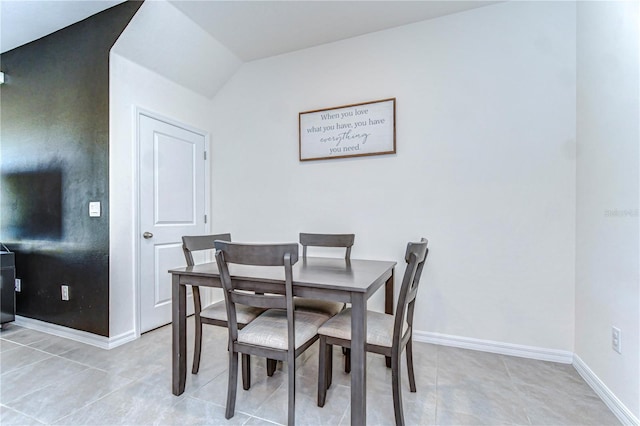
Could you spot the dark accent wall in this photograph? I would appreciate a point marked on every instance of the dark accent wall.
(54, 160)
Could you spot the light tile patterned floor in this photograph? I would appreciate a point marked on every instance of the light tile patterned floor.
(50, 380)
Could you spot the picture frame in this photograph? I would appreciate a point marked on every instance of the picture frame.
(355, 130)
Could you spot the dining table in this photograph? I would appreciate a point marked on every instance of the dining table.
(351, 281)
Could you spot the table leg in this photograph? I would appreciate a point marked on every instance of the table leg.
(388, 295)
(388, 305)
(179, 330)
(358, 360)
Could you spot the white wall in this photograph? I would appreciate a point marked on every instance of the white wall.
(485, 163)
(133, 86)
(163, 39)
(607, 233)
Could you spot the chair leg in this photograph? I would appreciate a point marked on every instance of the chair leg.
(271, 366)
(291, 373)
(233, 384)
(323, 360)
(347, 361)
(412, 377)
(197, 350)
(246, 371)
(329, 365)
(397, 391)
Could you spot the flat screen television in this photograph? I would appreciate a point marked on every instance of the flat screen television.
(31, 205)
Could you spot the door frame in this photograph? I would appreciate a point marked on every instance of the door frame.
(138, 112)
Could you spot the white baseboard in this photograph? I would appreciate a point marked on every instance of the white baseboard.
(502, 348)
(616, 406)
(77, 335)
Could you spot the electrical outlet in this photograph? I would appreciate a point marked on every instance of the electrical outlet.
(616, 339)
(18, 285)
(65, 292)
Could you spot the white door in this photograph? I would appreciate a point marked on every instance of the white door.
(172, 204)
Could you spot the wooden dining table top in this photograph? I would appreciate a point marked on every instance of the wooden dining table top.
(355, 275)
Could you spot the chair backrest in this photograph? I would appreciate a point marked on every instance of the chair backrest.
(327, 240)
(415, 257)
(191, 243)
(285, 255)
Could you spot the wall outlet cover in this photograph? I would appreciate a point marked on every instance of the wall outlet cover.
(616, 339)
(94, 209)
(65, 292)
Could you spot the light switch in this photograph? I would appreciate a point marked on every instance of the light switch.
(94, 209)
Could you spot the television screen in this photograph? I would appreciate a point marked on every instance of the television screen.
(31, 205)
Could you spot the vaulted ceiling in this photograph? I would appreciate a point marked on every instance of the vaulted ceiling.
(200, 45)
(259, 29)
(249, 29)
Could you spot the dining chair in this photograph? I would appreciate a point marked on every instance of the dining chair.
(387, 335)
(327, 240)
(313, 305)
(281, 333)
(324, 240)
(215, 313)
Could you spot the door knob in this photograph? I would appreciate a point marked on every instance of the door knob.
(147, 235)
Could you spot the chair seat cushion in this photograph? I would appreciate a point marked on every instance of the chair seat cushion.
(218, 311)
(321, 306)
(379, 327)
(270, 329)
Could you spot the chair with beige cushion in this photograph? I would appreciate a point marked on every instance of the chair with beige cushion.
(323, 240)
(281, 333)
(313, 305)
(216, 313)
(387, 335)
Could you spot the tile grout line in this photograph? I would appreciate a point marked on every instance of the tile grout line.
(259, 407)
(344, 414)
(78, 409)
(21, 413)
(503, 359)
(7, 339)
(30, 364)
(133, 381)
(435, 409)
(44, 352)
(60, 356)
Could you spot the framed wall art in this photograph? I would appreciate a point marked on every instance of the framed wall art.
(348, 131)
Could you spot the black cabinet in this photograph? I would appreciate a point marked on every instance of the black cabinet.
(7, 287)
